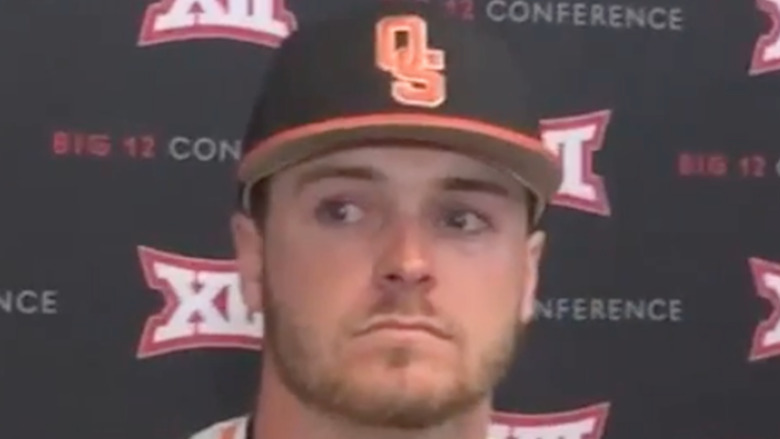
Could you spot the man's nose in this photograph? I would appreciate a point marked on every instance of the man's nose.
(406, 260)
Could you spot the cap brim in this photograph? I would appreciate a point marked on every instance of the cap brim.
(524, 156)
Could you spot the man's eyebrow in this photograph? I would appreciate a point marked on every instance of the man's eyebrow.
(332, 171)
(462, 184)
(367, 173)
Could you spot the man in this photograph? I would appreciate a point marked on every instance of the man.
(390, 192)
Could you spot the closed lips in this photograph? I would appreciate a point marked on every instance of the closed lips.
(405, 325)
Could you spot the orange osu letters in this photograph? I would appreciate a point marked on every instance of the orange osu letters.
(416, 68)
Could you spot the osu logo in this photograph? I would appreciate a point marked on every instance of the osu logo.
(766, 338)
(416, 69)
(262, 22)
(766, 54)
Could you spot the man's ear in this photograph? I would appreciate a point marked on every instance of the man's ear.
(533, 256)
(248, 245)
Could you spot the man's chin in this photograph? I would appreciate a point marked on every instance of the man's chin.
(406, 403)
(416, 383)
(401, 368)
(404, 392)
(391, 353)
(420, 378)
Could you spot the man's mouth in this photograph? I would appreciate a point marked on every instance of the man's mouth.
(401, 325)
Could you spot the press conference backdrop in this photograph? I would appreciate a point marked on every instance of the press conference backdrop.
(659, 309)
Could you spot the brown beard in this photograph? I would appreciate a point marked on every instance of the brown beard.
(328, 388)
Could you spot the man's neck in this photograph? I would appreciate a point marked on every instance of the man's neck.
(280, 415)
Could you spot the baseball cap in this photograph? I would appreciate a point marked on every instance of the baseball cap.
(397, 71)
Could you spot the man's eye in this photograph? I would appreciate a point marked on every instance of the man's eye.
(337, 211)
(464, 220)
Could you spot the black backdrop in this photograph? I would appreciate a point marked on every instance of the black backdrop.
(659, 311)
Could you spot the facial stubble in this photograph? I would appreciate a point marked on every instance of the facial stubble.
(306, 370)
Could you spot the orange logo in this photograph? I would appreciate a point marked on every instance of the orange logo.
(402, 50)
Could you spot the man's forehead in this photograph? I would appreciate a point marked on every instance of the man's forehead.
(408, 161)
(407, 168)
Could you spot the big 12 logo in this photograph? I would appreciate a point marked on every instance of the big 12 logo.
(203, 306)
(584, 423)
(766, 53)
(261, 22)
(766, 338)
(574, 140)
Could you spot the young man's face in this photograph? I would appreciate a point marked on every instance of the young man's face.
(394, 281)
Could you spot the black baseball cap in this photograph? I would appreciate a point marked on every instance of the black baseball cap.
(397, 71)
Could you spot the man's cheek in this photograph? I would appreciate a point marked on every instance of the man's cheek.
(304, 266)
(497, 293)
(481, 318)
